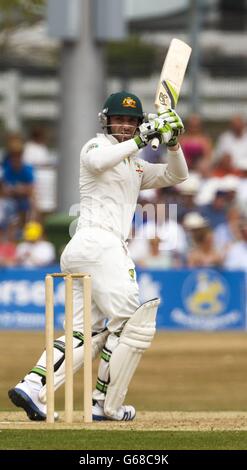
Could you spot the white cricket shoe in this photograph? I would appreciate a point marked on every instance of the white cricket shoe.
(24, 397)
(124, 413)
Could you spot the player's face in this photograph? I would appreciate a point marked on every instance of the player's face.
(123, 127)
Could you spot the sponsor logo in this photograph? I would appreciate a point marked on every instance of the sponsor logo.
(132, 274)
(205, 297)
(129, 102)
(163, 99)
(205, 293)
(91, 146)
(139, 168)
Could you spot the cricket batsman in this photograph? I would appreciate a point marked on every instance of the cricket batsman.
(111, 176)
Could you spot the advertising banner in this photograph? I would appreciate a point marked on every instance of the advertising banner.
(201, 299)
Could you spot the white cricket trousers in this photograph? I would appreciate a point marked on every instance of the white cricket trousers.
(115, 294)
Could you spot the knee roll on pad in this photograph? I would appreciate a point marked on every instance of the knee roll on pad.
(140, 328)
(98, 342)
(136, 337)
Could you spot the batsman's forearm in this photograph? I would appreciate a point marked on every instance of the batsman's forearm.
(177, 165)
(103, 158)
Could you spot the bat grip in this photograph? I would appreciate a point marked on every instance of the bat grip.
(155, 143)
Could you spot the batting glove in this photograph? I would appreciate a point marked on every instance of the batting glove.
(156, 127)
(146, 132)
(175, 122)
(166, 127)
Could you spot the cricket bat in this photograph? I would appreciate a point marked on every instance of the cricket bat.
(171, 78)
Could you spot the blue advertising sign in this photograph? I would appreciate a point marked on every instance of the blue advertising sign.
(22, 298)
(201, 299)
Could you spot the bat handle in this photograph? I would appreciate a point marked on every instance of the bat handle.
(155, 143)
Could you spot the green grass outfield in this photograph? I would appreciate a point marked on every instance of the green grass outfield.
(123, 440)
(190, 392)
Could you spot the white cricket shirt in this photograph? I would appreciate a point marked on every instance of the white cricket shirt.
(111, 176)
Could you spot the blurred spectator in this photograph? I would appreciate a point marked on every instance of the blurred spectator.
(187, 191)
(37, 154)
(203, 169)
(8, 221)
(209, 186)
(168, 195)
(159, 259)
(193, 221)
(17, 179)
(241, 196)
(224, 166)
(34, 250)
(160, 224)
(8, 216)
(215, 212)
(195, 143)
(208, 183)
(236, 257)
(146, 197)
(203, 252)
(227, 233)
(13, 141)
(7, 249)
(229, 185)
(233, 142)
